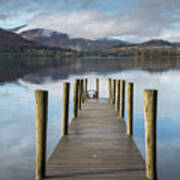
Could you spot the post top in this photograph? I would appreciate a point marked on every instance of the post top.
(122, 81)
(40, 91)
(130, 83)
(66, 83)
(150, 91)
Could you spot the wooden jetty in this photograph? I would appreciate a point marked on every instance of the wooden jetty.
(98, 144)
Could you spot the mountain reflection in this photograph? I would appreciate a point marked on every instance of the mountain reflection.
(63, 68)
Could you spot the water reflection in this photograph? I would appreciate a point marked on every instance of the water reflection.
(33, 71)
(17, 111)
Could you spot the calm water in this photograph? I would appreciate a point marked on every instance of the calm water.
(17, 130)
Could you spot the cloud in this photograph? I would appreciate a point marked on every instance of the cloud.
(86, 3)
(3, 17)
(131, 20)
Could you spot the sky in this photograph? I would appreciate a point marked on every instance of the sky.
(130, 20)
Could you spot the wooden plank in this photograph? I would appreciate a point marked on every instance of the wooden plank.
(97, 147)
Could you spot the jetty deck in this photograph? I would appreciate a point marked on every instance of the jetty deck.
(96, 147)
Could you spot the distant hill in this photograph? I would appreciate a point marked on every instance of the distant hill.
(8, 38)
(46, 42)
(56, 39)
(151, 44)
(157, 42)
(14, 47)
(176, 44)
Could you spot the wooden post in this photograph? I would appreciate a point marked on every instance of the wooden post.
(113, 91)
(97, 88)
(41, 132)
(82, 90)
(122, 98)
(117, 95)
(130, 91)
(65, 108)
(109, 89)
(85, 87)
(150, 110)
(79, 94)
(75, 99)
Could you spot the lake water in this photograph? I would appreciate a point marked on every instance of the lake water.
(17, 111)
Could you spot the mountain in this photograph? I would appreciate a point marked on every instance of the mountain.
(53, 38)
(176, 44)
(19, 56)
(157, 43)
(107, 43)
(8, 38)
(56, 39)
(16, 29)
(151, 44)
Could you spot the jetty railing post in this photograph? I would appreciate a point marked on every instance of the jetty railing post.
(109, 89)
(85, 87)
(82, 90)
(41, 98)
(122, 98)
(65, 108)
(113, 91)
(75, 99)
(130, 95)
(117, 95)
(150, 110)
(97, 88)
(79, 94)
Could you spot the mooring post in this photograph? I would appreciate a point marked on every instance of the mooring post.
(130, 91)
(79, 94)
(75, 99)
(65, 108)
(85, 87)
(82, 90)
(150, 110)
(117, 95)
(97, 88)
(41, 98)
(109, 89)
(113, 91)
(122, 98)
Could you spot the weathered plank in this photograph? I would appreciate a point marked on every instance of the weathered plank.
(97, 147)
